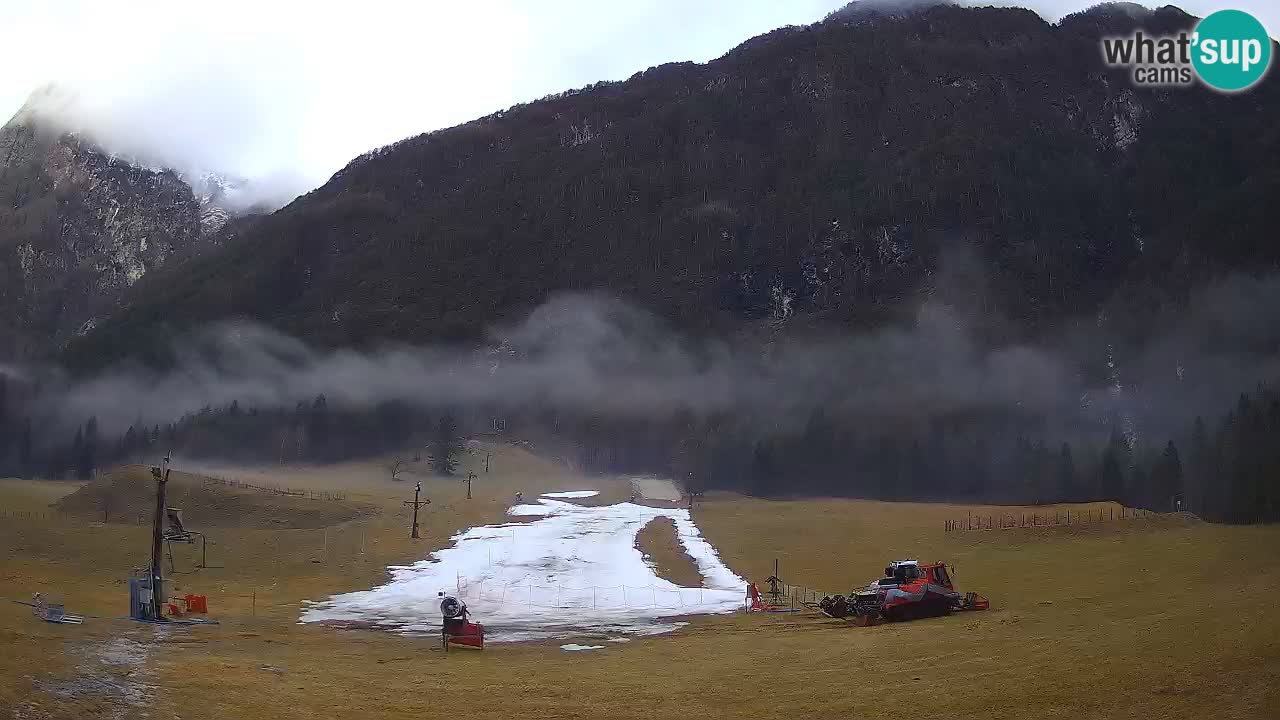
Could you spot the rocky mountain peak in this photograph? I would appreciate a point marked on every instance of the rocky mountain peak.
(78, 226)
(217, 194)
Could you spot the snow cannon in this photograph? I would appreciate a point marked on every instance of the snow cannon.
(456, 630)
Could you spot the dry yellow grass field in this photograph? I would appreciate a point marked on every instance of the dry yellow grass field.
(1164, 617)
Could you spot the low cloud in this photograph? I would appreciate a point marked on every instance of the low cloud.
(596, 355)
(589, 354)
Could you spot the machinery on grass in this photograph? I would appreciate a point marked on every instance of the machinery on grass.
(175, 531)
(907, 591)
(456, 630)
(774, 601)
(53, 612)
(175, 607)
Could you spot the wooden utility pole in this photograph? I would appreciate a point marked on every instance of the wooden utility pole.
(161, 474)
(470, 476)
(417, 488)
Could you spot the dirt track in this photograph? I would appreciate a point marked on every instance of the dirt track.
(653, 488)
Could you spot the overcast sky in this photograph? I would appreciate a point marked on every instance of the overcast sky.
(287, 93)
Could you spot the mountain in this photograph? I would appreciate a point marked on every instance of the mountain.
(215, 193)
(78, 226)
(822, 172)
(867, 9)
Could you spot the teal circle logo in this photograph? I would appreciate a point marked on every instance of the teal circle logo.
(1230, 50)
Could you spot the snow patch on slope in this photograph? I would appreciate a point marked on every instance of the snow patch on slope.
(574, 572)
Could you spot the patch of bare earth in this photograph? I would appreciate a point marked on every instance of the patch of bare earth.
(661, 548)
(109, 680)
(655, 488)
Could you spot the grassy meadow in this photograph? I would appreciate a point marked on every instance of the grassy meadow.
(1158, 617)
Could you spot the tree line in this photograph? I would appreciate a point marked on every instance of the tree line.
(1227, 469)
(311, 432)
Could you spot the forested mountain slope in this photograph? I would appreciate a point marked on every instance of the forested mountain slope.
(820, 170)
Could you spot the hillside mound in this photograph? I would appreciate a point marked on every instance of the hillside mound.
(128, 493)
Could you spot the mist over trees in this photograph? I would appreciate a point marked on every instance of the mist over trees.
(1226, 468)
(924, 410)
(1231, 471)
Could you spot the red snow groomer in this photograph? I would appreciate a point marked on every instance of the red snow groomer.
(457, 631)
(907, 591)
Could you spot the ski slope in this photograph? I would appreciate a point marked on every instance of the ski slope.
(567, 571)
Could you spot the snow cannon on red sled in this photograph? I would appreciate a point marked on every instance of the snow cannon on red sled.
(456, 630)
(907, 591)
